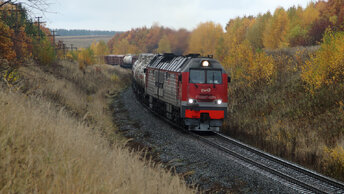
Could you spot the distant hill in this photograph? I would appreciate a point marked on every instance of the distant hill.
(64, 32)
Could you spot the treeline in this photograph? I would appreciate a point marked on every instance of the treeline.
(154, 39)
(289, 28)
(295, 26)
(22, 39)
(65, 32)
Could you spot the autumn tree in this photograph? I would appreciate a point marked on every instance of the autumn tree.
(205, 38)
(249, 68)
(100, 49)
(144, 39)
(255, 32)
(237, 28)
(275, 34)
(44, 52)
(164, 45)
(6, 44)
(179, 41)
(85, 57)
(153, 37)
(124, 47)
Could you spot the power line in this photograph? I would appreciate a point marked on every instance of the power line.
(39, 26)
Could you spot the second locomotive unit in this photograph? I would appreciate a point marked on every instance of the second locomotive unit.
(190, 90)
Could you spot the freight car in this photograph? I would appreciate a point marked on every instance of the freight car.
(114, 59)
(190, 90)
(128, 61)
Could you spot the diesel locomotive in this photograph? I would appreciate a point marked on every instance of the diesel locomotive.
(190, 90)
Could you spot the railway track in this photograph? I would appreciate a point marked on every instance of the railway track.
(300, 178)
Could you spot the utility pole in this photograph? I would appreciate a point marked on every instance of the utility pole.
(64, 49)
(73, 47)
(39, 27)
(54, 35)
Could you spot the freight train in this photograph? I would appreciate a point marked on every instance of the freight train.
(114, 59)
(189, 90)
(125, 61)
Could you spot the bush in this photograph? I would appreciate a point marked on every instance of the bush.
(85, 58)
(334, 161)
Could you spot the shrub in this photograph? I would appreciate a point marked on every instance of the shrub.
(85, 57)
(334, 161)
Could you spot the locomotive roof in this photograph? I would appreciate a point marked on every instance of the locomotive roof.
(171, 62)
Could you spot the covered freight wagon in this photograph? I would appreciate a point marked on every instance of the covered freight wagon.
(114, 59)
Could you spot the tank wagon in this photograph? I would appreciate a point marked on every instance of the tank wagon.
(128, 61)
(114, 59)
(190, 90)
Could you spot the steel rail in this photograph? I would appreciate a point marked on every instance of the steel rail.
(285, 163)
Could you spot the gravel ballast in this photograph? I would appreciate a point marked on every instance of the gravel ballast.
(202, 165)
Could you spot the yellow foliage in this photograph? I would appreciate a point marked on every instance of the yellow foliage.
(85, 58)
(69, 56)
(11, 77)
(326, 67)
(309, 15)
(249, 67)
(334, 162)
(100, 49)
(114, 78)
(205, 38)
(237, 29)
(164, 45)
(124, 47)
(276, 30)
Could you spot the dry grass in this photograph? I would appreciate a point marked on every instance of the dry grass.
(55, 132)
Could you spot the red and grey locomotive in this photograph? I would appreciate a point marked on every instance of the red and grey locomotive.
(190, 90)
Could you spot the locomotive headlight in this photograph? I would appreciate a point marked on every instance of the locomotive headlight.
(191, 101)
(205, 63)
(219, 101)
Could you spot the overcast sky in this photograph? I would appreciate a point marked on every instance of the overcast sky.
(122, 15)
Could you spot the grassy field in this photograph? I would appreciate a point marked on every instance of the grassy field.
(82, 41)
(57, 135)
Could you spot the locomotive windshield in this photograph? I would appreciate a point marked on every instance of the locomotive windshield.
(214, 77)
(197, 76)
(205, 76)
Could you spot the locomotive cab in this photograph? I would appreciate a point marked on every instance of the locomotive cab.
(206, 99)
